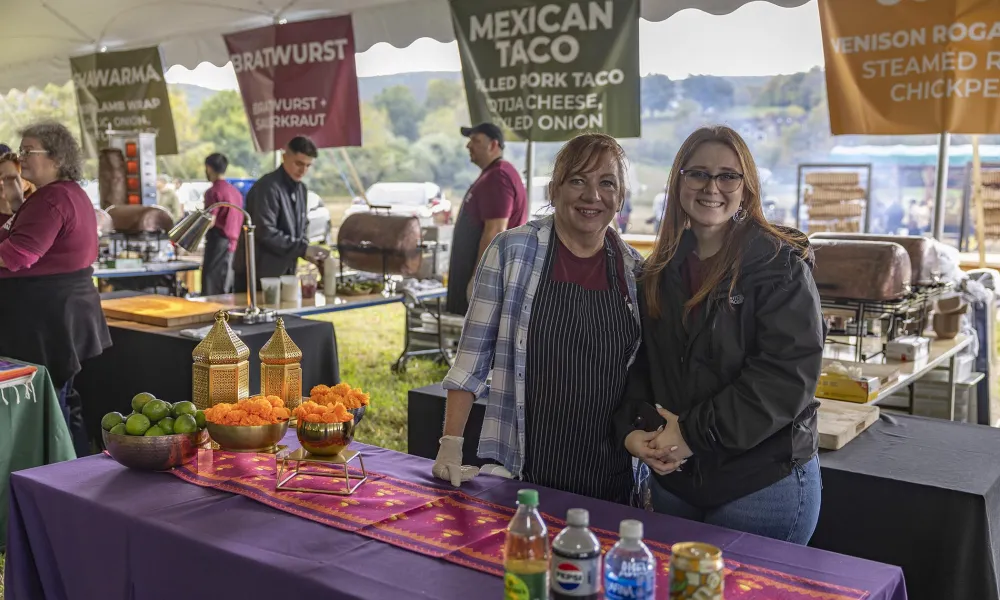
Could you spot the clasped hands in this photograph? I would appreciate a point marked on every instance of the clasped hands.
(664, 450)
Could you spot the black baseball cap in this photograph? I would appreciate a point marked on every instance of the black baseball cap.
(488, 129)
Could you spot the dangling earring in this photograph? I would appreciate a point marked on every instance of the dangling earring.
(740, 215)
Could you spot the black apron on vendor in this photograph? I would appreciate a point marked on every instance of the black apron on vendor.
(55, 321)
(464, 250)
(574, 336)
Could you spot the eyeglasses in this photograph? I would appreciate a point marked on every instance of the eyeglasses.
(698, 180)
(23, 154)
(10, 180)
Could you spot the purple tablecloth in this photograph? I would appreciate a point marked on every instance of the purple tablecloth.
(90, 529)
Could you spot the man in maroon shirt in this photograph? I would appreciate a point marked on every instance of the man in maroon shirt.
(221, 239)
(497, 201)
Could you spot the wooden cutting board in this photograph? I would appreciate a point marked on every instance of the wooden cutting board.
(163, 311)
(841, 422)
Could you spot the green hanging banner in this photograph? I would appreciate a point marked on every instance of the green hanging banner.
(126, 91)
(548, 71)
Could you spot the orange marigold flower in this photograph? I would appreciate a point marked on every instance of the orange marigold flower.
(319, 390)
(258, 410)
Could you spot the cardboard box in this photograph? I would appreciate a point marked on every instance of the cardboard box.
(849, 389)
(907, 348)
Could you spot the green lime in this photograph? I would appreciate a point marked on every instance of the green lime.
(119, 429)
(185, 408)
(199, 417)
(166, 424)
(154, 431)
(110, 420)
(185, 424)
(137, 424)
(140, 400)
(155, 410)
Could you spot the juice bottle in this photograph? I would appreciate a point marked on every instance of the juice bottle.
(526, 552)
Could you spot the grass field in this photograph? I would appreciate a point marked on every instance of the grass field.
(369, 340)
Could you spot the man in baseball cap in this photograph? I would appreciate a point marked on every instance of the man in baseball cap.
(497, 201)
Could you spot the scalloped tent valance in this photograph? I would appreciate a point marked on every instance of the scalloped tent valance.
(40, 35)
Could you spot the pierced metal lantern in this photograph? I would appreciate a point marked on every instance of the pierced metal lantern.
(281, 367)
(221, 371)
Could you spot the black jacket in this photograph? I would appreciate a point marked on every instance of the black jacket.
(741, 377)
(277, 205)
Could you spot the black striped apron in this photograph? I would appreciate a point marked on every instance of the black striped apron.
(579, 344)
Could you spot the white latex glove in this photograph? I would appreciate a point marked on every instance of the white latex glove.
(498, 470)
(448, 465)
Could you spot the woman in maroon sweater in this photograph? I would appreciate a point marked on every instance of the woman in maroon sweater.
(50, 311)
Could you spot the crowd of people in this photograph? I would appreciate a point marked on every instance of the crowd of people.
(700, 362)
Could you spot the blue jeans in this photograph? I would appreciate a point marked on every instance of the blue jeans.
(786, 510)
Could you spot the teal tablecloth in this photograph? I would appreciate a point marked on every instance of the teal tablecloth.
(33, 432)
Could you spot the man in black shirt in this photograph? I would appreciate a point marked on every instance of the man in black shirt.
(277, 205)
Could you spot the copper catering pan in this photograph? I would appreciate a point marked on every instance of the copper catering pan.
(861, 270)
(923, 258)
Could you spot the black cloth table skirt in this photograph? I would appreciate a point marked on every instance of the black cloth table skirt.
(158, 360)
(923, 494)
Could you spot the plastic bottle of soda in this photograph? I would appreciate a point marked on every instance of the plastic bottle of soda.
(526, 552)
(629, 567)
(576, 560)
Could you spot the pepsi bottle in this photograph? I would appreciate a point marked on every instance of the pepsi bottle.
(576, 560)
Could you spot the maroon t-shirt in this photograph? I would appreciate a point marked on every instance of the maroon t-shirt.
(693, 273)
(498, 193)
(228, 220)
(590, 273)
(54, 232)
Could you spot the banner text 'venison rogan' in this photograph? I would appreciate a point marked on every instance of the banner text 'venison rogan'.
(909, 38)
(101, 78)
(286, 54)
(522, 36)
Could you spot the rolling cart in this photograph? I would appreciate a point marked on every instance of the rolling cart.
(429, 330)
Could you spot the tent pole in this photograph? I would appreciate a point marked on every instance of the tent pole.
(529, 169)
(977, 200)
(941, 185)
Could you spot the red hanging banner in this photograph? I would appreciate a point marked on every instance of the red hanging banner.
(299, 79)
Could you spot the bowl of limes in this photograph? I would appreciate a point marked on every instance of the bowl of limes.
(156, 436)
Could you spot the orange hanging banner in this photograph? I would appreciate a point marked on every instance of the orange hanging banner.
(897, 67)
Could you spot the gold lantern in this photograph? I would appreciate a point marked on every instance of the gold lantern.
(281, 367)
(221, 371)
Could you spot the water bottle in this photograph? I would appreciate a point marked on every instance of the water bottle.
(576, 560)
(630, 567)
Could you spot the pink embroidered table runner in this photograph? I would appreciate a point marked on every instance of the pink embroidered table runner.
(448, 524)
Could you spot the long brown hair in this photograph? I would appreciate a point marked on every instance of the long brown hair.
(675, 221)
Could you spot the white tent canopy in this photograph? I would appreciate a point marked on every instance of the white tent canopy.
(39, 36)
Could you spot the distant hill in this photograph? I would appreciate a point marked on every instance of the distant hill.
(195, 94)
(369, 87)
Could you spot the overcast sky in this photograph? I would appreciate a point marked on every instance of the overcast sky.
(758, 39)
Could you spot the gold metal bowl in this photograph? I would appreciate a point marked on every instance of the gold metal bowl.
(155, 453)
(325, 439)
(249, 438)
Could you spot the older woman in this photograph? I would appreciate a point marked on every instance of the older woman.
(13, 188)
(553, 312)
(732, 349)
(50, 312)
